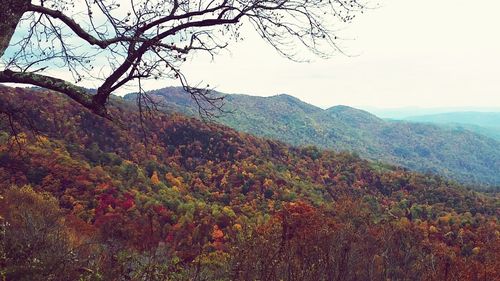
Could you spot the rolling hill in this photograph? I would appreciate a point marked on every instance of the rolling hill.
(453, 152)
(84, 198)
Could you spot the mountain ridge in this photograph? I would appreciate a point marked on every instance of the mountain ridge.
(459, 154)
(485, 123)
(485, 119)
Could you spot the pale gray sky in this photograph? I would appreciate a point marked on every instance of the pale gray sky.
(424, 53)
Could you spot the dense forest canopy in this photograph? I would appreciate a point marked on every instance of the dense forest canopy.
(453, 152)
(204, 202)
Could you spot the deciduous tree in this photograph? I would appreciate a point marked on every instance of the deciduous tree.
(150, 39)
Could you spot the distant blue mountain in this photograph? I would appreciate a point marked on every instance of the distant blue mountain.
(486, 123)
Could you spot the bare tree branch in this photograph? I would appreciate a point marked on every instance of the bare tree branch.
(76, 93)
(151, 39)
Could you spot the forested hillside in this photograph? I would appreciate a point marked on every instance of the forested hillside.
(84, 198)
(453, 152)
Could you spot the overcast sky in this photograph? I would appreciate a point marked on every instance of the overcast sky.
(424, 53)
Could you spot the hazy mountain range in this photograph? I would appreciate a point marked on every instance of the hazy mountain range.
(400, 113)
(486, 123)
(454, 152)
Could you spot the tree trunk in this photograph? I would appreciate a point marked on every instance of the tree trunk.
(10, 15)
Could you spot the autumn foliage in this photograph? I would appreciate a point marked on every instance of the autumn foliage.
(199, 201)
